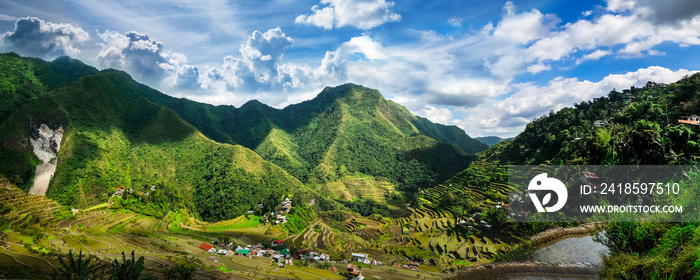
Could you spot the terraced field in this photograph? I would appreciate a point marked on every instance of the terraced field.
(358, 186)
(105, 233)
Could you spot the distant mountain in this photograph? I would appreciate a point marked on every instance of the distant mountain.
(114, 136)
(344, 129)
(491, 140)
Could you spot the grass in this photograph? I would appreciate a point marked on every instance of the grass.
(248, 222)
(224, 269)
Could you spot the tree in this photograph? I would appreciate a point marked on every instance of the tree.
(128, 269)
(77, 268)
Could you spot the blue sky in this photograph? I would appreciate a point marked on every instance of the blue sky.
(488, 67)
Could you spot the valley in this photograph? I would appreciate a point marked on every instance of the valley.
(347, 184)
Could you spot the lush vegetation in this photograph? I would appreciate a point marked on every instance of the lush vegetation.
(639, 126)
(114, 137)
(344, 129)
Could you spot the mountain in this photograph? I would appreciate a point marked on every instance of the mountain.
(345, 129)
(491, 140)
(113, 136)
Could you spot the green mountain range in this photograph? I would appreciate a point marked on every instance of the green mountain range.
(344, 129)
(218, 160)
(491, 140)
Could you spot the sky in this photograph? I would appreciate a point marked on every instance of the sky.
(489, 67)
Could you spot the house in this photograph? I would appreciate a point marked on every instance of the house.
(153, 188)
(352, 269)
(119, 191)
(333, 269)
(413, 265)
(286, 205)
(359, 257)
(589, 178)
(214, 259)
(251, 212)
(277, 242)
(690, 120)
(600, 123)
(222, 252)
(207, 247)
(395, 264)
(288, 262)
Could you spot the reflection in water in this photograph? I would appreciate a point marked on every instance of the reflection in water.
(572, 250)
(569, 250)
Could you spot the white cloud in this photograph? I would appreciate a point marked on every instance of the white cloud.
(536, 68)
(361, 14)
(595, 55)
(436, 115)
(5, 17)
(455, 22)
(146, 60)
(35, 37)
(509, 116)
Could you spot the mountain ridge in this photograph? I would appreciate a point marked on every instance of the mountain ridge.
(252, 125)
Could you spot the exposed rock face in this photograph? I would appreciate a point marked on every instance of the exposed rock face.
(46, 143)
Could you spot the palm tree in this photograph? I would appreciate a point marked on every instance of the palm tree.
(78, 269)
(128, 269)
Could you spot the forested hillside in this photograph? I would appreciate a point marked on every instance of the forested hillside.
(343, 130)
(115, 137)
(646, 126)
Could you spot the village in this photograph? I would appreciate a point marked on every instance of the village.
(281, 255)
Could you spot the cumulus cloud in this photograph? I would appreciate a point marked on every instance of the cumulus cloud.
(147, 60)
(529, 101)
(529, 41)
(361, 14)
(35, 37)
(436, 115)
(259, 66)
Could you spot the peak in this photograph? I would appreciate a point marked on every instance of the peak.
(346, 89)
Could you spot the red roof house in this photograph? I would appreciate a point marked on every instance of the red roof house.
(333, 269)
(206, 247)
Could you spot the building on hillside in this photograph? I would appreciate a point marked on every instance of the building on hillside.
(692, 120)
(333, 269)
(600, 123)
(214, 259)
(352, 269)
(589, 178)
(413, 265)
(286, 205)
(207, 247)
(395, 264)
(277, 242)
(222, 252)
(360, 257)
(119, 191)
